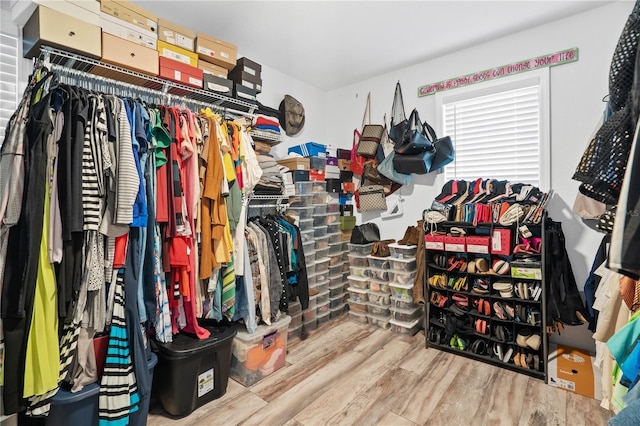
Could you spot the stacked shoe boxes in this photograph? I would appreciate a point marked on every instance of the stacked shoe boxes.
(321, 238)
(379, 296)
(338, 260)
(406, 316)
(358, 281)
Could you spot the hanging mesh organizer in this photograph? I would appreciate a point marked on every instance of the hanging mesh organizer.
(603, 164)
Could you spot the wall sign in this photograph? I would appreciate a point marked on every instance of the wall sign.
(550, 60)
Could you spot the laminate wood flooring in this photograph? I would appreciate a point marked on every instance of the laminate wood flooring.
(347, 373)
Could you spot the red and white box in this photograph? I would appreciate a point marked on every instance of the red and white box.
(501, 242)
(478, 244)
(434, 242)
(457, 244)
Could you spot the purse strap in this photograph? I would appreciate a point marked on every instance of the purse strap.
(431, 132)
(397, 109)
(367, 110)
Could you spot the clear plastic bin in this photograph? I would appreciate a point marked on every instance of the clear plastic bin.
(302, 212)
(359, 282)
(320, 197)
(381, 299)
(306, 225)
(406, 315)
(319, 185)
(379, 274)
(322, 265)
(311, 268)
(333, 218)
(323, 297)
(322, 277)
(322, 254)
(402, 291)
(356, 260)
(322, 243)
(358, 295)
(300, 200)
(308, 314)
(335, 280)
(402, 304)
(358, 316)
(296, 320)
(294, 308)
(324, 318)
(378, 262)
(406, 265)
(379, 321)
(400, 251)
(311, 279)
(379, 286)
(306, 236)
(337, 290)
(319, 232)
(294, 333)
(304, 187)
(310, 325)
(378, 310)
(360, 249)
(309, 246)
(323, 308)
(402, 277)
(334, 237)
(322, 287)
(335, 259)
(333, 208)
(320, 221)
(335, 248)
(338, 310)
(313, 301)
(361, 271)
(309, 256)
(408, 328)
(336, 301)
(319, 209)
(336, 269)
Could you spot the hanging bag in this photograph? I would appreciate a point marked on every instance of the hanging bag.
(371, 134)
(445, 153)
(387, 169)
(415, 139)
(357, 161)
(371, 198)
(399, 122)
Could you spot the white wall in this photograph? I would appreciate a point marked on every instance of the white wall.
(576, 92)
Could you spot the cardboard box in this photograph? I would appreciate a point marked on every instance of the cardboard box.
(239, 76)
(180, 72)
(212, 69)
(177, 54)
(52, 28)
(249, 66)
(344, 165)
(128, 54)
(131, 13)
(478, 244)
(457, 244)
(295, 163)
(217, 84)
(123, 29)
(573, 370)
(175, 34)
(434, 242)
(216, 51)
(87, 11)
(244, 93)
(501, 242)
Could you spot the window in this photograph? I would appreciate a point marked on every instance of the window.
(8, 79)
(499, 129)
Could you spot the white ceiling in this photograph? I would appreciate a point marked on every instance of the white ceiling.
(331, 44)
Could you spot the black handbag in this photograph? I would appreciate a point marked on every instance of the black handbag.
(419, 164)
(365, 234)
(399, 122)
(415, 140)
(445, 152)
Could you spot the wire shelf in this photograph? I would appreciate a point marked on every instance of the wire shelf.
(272, 138)
(82, 64)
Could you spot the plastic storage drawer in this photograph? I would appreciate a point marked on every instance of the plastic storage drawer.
(357, 260)
(402, 303)
(358, 317)
(379, 286)
(301, 200)
(192, 372)
(304, 213)
(400, 251)
(407, 265)
(257, 355)
(319, 209)
(359, 282)
(379, 274)
(378, 262)
(406, 315)
(402, 277)
(402, 291)
(360, 249)
(338, 310)
(380, 299)
(379, 321)
(409, 328)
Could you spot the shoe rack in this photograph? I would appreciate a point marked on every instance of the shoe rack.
(485, 294)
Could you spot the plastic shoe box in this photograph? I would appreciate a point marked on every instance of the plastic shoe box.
(337, 301)
(360, 307)
(294, 333)
(294, 308)
(305, 225)
(407, 265)
(322, 287)
(402, 303)
(301, 200)
(322, 243)
(380, 299)
(192, 372)
(309, 257)
(323, 297)
(357, 260)
(402, 277)
(337, 311)
(358, 282)
(319, 209)
(336, 269)
(324, 318)
(333, 208)
(309, 247)
(335, 248)
(310, 325)
(296, 320)
(304, 213)
(333, 237)
(378, 262)
(319, 231)
(304, 188)
(358, 317)
(309, 314)
(333, 218)
(81, 408)
(307, 236)
(323, 254)
(334, 228)
(409, 328)
(400, 251)
(358, 295)
(323, 308)
(406, 315)
(379, 321)
(320, 197)
(311, 279)
(379, 286)
(379, 274)
(322, 265)
(402, 291)
(334, 259)
(380, 310)
(337, 289)
(311, 268)
(257, 355)
(359, 271)
(360, 249)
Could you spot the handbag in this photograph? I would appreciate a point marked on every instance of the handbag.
(415, 139)
(357, 161)
(381, 248)
(371, 174)
(387, 169)
(365, 233)
(371, 134)
(417, 163)
(445, 152)
(399, 123)
(371, 198)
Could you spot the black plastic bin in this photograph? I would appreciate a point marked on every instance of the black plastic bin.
(192, 372)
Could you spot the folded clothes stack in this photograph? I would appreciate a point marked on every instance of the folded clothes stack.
(271, 182)
(265, 123)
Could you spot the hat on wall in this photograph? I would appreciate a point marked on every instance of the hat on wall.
(291, 115)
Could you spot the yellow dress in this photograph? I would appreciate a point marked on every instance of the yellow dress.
(42, 361)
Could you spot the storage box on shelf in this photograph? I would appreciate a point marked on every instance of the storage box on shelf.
(495, 312)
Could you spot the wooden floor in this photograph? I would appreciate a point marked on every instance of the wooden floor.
(347, 373)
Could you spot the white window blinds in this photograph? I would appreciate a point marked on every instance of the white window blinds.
(496, 136)
(8, 79)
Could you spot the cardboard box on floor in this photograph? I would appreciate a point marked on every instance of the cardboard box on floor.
(573, 369)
